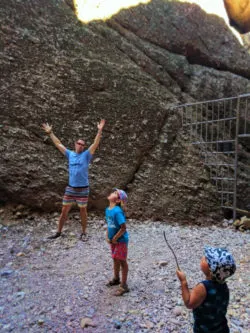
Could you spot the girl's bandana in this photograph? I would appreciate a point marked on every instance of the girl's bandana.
(220, 262)
(122, 195)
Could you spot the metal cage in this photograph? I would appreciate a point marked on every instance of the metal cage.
(215, 128)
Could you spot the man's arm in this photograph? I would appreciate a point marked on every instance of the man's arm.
(96, 142)
(48, 129)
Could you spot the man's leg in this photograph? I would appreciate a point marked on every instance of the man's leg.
(84, 216)
(62, 219)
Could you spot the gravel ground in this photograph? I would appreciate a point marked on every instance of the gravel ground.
(54, 285)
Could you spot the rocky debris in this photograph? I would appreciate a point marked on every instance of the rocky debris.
(62, 287)
(163, 263)
(6, 273)
(242, 224)
(130, 70)
(85, 322)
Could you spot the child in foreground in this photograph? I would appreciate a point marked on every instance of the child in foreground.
(117, 237)
(209, 299)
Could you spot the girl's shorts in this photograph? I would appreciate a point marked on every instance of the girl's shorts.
(78, 195)
(119, 251)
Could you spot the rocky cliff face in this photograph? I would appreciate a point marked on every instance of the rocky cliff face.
(129, 70)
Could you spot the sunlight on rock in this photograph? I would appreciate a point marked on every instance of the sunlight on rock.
(89, 10)
(215, 7)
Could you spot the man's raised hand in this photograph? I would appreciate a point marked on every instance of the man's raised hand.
(47, 128)
(101, 124)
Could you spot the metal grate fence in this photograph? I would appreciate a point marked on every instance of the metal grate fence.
(215, 128)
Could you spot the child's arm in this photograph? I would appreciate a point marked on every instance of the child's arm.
(107, 238)
(119, 233)
(197, 295)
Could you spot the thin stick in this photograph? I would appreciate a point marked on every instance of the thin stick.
(171, 250)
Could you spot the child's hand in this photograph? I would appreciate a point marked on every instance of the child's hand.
(108, 240)
(114, 241)
(181, 275)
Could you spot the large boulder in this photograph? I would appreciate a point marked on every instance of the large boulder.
(131, 70)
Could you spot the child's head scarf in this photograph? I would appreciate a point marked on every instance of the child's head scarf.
(122, 196)
(221, 263)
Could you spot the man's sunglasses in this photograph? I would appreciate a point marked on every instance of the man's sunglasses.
(80, 144)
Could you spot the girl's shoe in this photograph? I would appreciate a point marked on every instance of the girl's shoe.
(123, 289)
(113, 282)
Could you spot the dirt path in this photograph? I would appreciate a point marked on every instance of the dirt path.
(50, 286)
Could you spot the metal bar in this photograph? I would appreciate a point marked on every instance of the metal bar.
(222, 164)
(245, 123)
(210, 173)
(224, 122)
(243, 135)
(231, 108)
(213, 100)
(212, 121)
(219, 141)
(226, 178)
(201, 122)
(230, 115)
(212, 138)
(196, 127)
(222, 152)
(186, 113)
(191, 123)
(218, 125)
(210, 101)
(244, 95)
(222, 192)
(236, 158)
(206, 122)
(230, 127)
(216, 165)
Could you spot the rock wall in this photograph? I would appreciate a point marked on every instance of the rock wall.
(130, 70)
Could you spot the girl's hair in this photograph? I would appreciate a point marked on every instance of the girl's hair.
(123, 205)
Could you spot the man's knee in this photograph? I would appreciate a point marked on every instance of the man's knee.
(65, 211)
(83, 210)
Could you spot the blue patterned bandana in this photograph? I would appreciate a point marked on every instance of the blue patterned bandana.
(221, 263)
